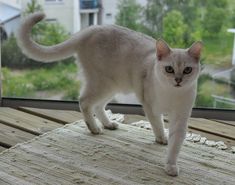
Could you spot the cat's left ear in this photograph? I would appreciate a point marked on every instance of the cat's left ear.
(162, 49)
(195, 50)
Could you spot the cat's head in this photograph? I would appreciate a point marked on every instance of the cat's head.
(178, 67)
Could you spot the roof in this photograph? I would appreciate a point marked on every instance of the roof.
(8, 12)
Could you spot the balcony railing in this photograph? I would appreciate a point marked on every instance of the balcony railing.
(88, 4)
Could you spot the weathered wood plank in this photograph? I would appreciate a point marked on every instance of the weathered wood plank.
(232, 123)
(71, 155)
(10, 136)
(212, 127)
(71, 116)
(59, 116)
(26, 122)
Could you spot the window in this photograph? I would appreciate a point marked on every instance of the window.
(178, 23)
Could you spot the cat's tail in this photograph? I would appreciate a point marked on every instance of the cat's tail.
(39, 52)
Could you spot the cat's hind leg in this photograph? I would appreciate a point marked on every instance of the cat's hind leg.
(87, 101)
(102, 116)
(93, 99)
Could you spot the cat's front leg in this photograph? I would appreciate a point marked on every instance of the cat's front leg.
(157, 123)
(177, 132)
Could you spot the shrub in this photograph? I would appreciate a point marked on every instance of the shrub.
(15, 86)
(56, 78)
(174, 28)
(72, 92)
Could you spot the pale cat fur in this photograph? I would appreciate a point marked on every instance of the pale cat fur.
(115, 59)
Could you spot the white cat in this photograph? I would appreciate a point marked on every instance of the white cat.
(115, 59)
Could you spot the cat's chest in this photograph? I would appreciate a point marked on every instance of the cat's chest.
(167, 100)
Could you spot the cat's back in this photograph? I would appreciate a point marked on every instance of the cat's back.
(117, 42)
(114, 35)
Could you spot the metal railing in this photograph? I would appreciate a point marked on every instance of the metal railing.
(88, 4)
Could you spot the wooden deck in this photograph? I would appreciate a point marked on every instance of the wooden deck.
(70, 155)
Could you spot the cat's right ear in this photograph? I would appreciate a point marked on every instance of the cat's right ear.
(162, 49)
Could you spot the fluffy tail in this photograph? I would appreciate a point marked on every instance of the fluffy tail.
(38, 52)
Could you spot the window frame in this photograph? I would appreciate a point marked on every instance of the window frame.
(54, 1)
(207, 113)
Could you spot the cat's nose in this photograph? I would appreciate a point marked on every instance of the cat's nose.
(178, 80)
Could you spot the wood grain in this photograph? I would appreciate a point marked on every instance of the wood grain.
(70, 155)
(10, 136)
(212, 127)
(59, 116)
(26, 122)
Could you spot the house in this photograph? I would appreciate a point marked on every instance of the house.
(74, 15)
(9, 18)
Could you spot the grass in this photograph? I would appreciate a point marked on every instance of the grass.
(27, 83)
(218, 51)
(208, 87)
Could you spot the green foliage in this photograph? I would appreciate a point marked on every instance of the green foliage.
(44, 33)
(204, 98)
(156, 11)
(61, 78)
(33, 6)
(207, 86)
(215, 17)
(51, 33)
(72, 93)
(56, 78)
(174, 28)
(129, 14)
(12, 55)
(15, 86)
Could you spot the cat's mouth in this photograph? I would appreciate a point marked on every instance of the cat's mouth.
(177, 85)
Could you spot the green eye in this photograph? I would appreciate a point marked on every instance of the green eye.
(169, 69)
(188, 70)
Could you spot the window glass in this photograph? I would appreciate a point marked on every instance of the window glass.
(179, 22)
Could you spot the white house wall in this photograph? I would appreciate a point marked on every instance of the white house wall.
(63, 12)
(11, 26)
(109, 11)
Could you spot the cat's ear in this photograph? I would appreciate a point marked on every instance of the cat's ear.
(162, 49)
(195, 50)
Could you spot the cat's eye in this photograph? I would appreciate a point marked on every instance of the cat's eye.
(169, 69)
(188, 70)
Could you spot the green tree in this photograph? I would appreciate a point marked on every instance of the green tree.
(156, 11)
(174, 28)
(215, 17)
(45, 33)
(33, 6)
(129, 14)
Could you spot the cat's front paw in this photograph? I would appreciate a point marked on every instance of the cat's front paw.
(172, 170)
(94, 129)
(162, 140)
(111, 126)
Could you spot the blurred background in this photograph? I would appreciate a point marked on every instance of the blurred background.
(179, 22)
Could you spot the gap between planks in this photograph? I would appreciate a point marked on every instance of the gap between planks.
(59, 116)
(17, 127)
(26, 122)
(220, 129)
